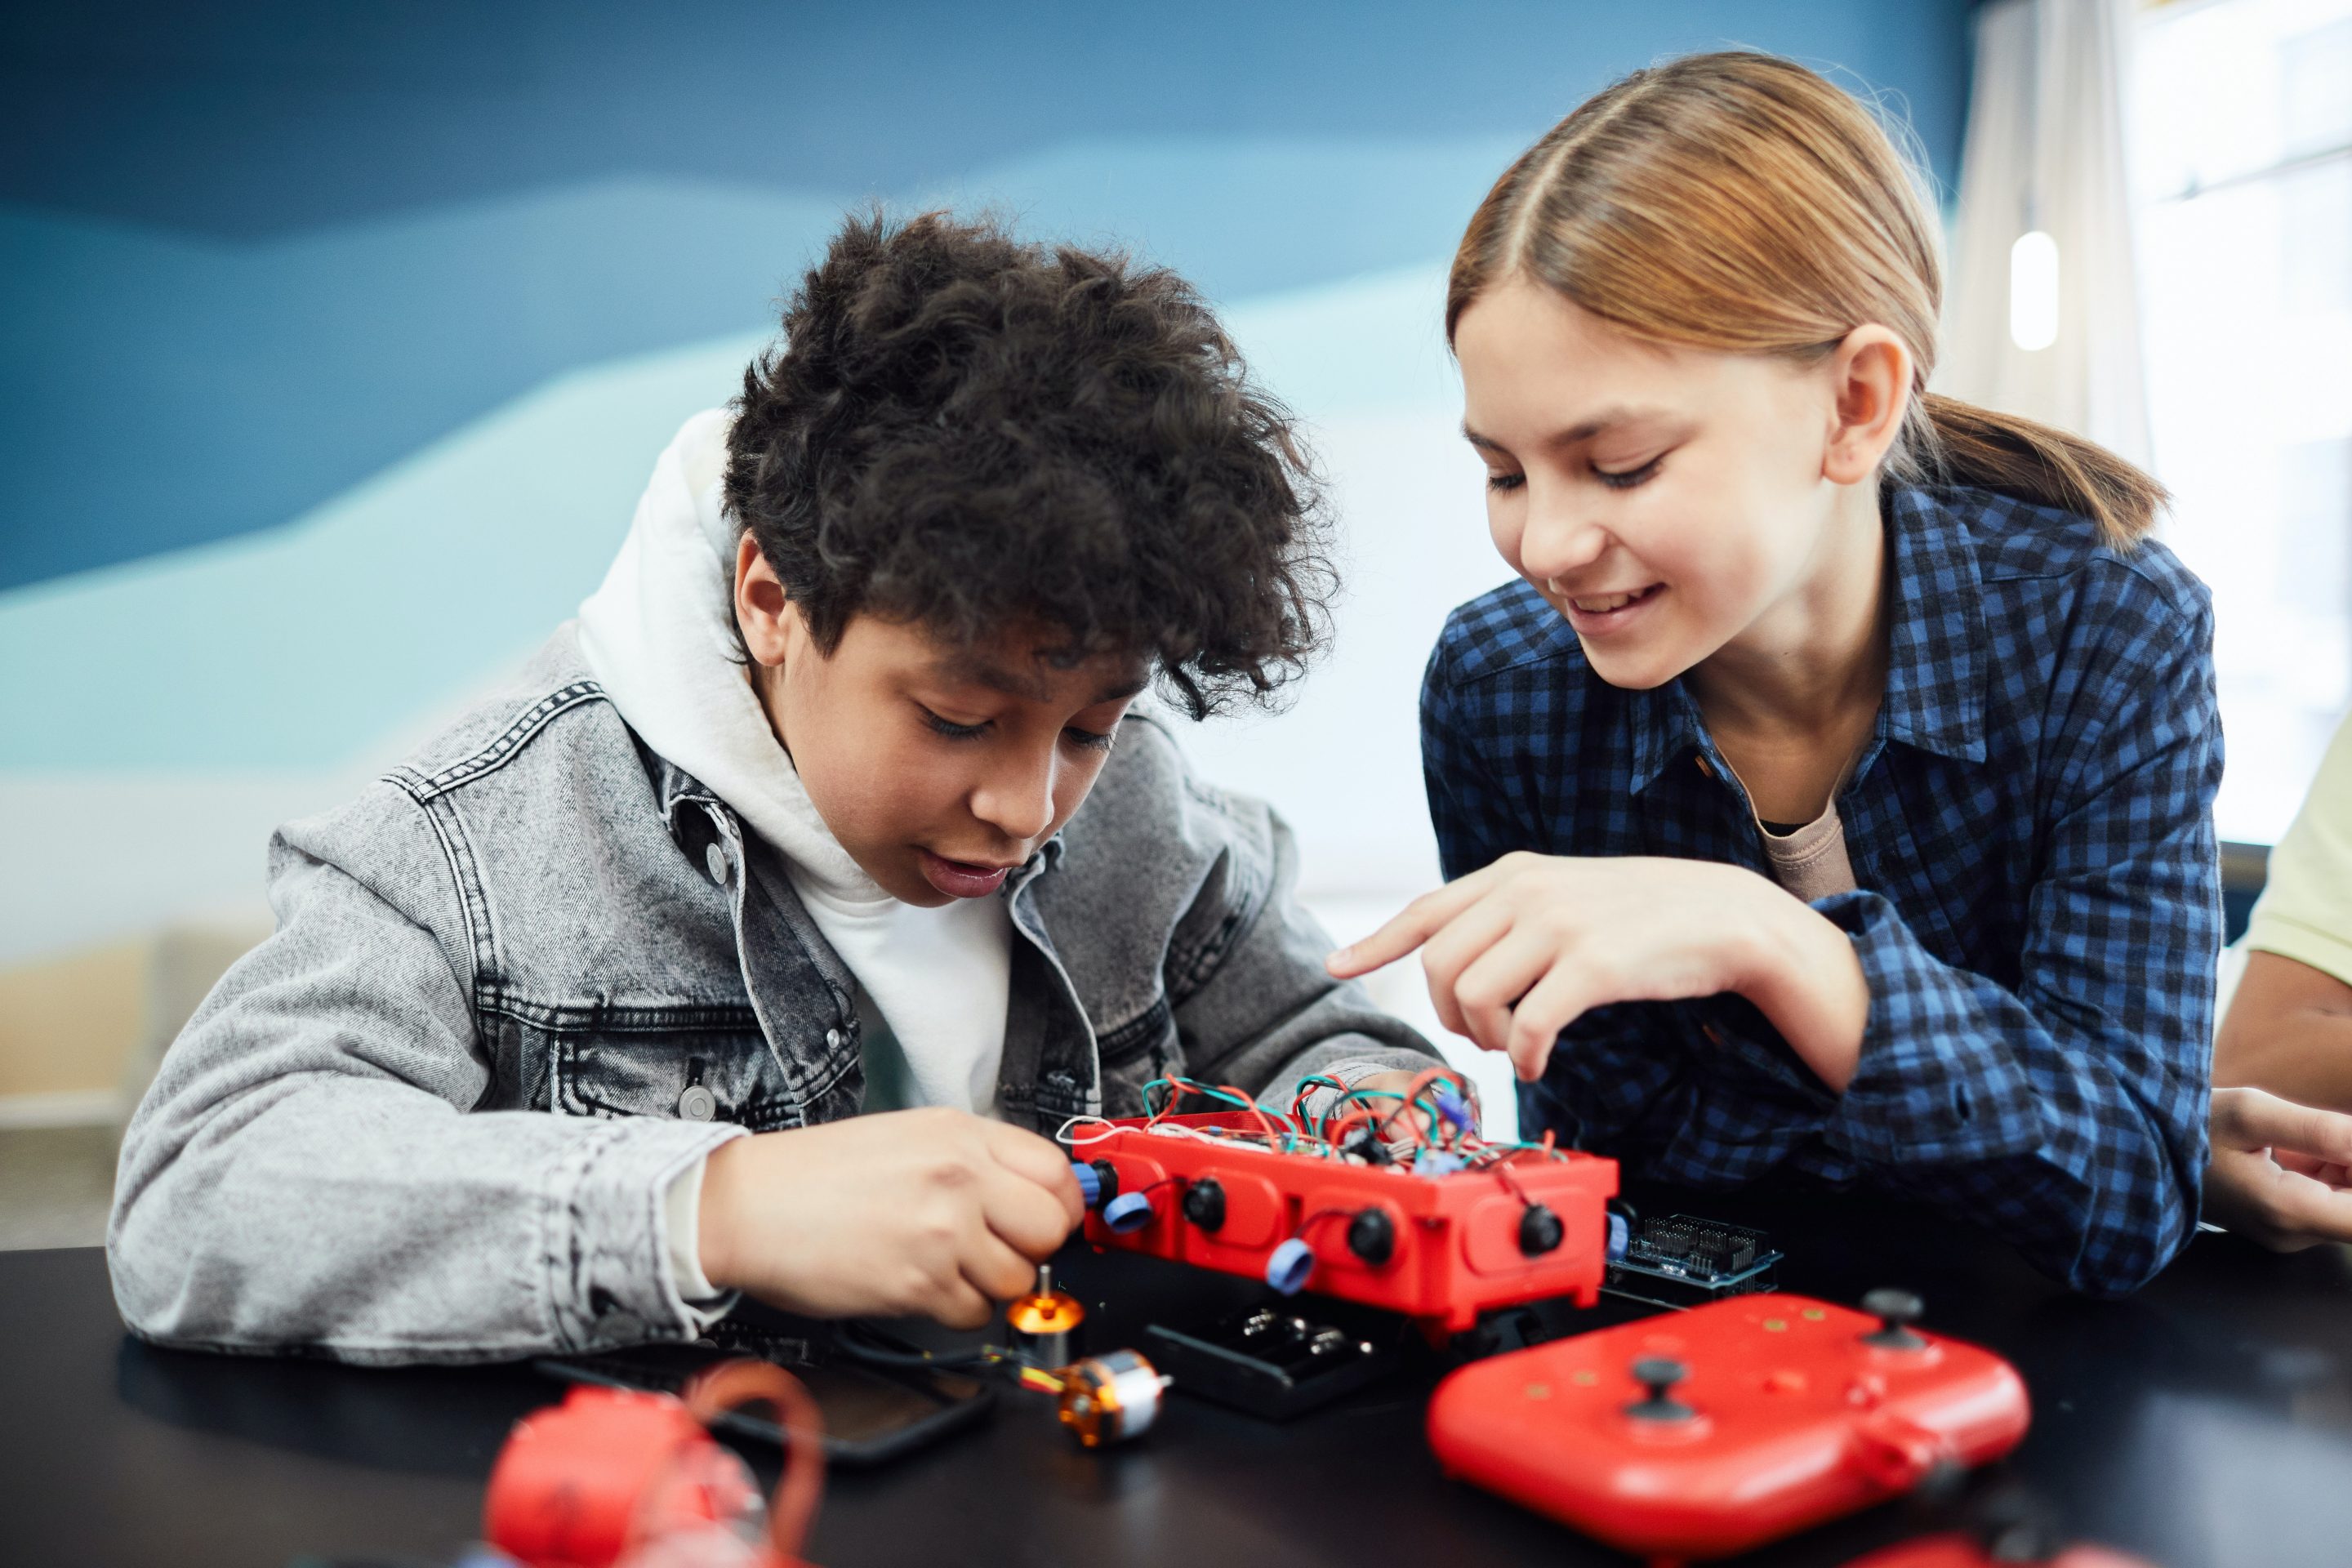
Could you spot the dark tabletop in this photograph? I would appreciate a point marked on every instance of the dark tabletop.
(2204, 1423)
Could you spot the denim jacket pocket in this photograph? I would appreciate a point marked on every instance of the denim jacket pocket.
(699, 1063)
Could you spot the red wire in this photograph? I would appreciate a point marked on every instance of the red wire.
(1427, 1076)
(1510, 1180)
(1256, 1110)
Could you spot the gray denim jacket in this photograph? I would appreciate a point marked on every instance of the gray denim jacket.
(348, 1150)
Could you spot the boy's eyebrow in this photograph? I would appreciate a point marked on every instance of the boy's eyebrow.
(1620, 414)
(1033, 688)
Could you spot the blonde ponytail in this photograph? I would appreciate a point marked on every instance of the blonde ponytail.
(1965, 445)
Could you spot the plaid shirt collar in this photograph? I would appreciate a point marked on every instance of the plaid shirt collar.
(1935, 668)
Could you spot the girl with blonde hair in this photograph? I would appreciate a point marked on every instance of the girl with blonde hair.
(1831, 793)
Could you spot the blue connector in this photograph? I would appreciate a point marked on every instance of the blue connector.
(1127, 1212)
(1089, 1180)
(1621, 1236)
(1288, 1265)
(1454, 1107)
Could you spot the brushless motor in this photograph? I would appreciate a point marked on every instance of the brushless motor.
(1110, 1398)
(1044, 1323)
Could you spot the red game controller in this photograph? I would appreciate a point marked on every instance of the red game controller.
(1728, 1425)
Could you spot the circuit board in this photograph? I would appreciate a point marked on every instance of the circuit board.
(1683, 1261)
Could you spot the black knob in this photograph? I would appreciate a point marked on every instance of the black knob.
(1657, 1375)
(1372, 1235)
(1896, 1311)
(1107, 1181)
(1539, 1230)
(1204, 1202)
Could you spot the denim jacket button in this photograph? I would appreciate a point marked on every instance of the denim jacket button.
(714, 859)
(833, 1039)
(698, 1103)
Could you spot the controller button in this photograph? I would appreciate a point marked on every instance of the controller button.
(1658, 1376)
(1896, 1311)
(1372, 1235)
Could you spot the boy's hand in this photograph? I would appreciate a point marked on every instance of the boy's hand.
(2279, 1172)
(1396, 1082)
(934, 1212)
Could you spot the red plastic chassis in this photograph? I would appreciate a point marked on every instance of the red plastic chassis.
(1456, 1238)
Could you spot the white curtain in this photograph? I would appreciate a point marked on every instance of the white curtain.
(2045, 150)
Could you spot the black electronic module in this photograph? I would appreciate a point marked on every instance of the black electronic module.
(1267, 1361)
(1683, 1261)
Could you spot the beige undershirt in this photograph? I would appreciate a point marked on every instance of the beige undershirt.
(1810, 861)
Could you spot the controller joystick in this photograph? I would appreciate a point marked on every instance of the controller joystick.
(1657, 1375)
(1372, 1235)
(1204, 1203)
(1896, 1311)
(1539, 1230)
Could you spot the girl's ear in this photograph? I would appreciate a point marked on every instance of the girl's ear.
(764, 612)
(1870, 374)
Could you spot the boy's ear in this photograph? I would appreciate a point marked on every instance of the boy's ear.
(764, 612)
(1869, 375)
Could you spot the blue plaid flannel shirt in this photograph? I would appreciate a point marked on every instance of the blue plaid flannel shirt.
(2030, 825)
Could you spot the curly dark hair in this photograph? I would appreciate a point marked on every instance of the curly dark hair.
(970, 432)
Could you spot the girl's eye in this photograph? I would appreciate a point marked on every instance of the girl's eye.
(1505, 481)
(1091, 740)
(1626, 479)
(953, 732)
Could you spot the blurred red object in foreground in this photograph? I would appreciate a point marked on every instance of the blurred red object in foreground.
(1963, 1550)
(618, 1478)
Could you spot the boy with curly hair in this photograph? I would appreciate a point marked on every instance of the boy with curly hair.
(751, 943)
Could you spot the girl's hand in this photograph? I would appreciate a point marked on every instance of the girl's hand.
(2279, 1172)
(1521, 950)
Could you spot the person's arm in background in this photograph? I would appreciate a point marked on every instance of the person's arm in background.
(2288, 1030)
(2289, 1027)
(2283, 1056)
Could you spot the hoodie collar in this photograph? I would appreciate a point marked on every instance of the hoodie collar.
(659, 634)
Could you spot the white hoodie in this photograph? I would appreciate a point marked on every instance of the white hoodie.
(659, 636)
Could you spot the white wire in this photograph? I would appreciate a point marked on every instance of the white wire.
(1062, 1135)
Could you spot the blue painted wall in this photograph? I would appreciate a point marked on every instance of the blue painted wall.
(337, 343)
(256, 252)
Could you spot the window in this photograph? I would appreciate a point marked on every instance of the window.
(2242, 147)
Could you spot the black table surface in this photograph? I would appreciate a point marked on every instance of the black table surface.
(2207, 1421)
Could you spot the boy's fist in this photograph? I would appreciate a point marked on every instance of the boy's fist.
(934, 1212)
